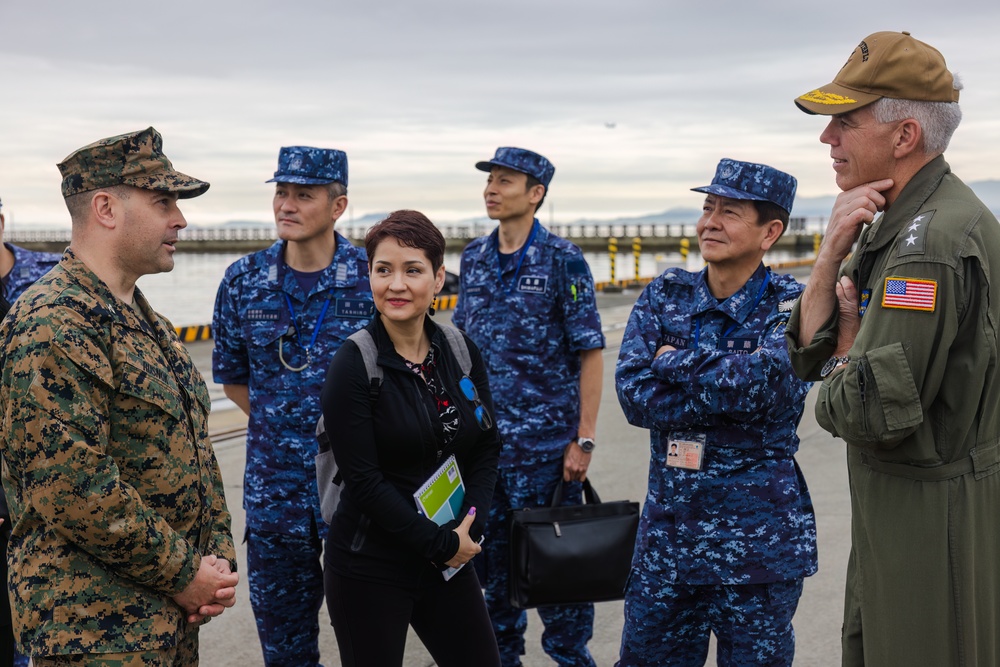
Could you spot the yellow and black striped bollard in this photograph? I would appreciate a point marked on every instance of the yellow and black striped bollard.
(636, 251)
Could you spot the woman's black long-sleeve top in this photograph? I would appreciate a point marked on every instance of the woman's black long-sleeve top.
(388, 447)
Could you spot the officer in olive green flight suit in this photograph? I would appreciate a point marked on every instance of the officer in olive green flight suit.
(905, 339)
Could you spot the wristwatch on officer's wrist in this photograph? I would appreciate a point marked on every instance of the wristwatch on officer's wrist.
(586, 444)
(832, 365)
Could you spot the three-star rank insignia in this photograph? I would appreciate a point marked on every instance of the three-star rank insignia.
(911, 239)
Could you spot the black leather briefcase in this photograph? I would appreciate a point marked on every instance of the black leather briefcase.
(568, 555)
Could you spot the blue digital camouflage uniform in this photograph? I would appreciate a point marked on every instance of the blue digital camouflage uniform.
(29, 266)
(254, 329)
(109, 470)
(531, 326)
(746, 517)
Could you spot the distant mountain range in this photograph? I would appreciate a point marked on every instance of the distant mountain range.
(806, 207)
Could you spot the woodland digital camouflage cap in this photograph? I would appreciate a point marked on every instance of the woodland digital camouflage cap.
(134, 159)
(884, 64)
(523, 161)
(749, 180)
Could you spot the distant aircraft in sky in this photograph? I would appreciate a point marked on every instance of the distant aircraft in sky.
(610, 126)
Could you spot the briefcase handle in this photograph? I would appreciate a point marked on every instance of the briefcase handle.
(590, 496)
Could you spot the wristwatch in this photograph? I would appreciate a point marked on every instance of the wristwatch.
(832, 365)
(586, 444)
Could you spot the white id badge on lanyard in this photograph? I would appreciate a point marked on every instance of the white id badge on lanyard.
(685, 449)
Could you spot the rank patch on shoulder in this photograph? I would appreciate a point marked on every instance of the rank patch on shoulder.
(532, 284)
(786, 306)
(909, 294)
(911, 239)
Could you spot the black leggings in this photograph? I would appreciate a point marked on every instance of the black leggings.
(449, 617)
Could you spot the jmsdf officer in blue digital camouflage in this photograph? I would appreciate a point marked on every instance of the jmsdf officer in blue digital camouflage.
(526, 298)
(727, 530)
(280, 315)
(19, 268)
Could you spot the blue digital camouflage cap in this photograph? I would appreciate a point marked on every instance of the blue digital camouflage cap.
(523, 161)
(749, 180)
(306, 165)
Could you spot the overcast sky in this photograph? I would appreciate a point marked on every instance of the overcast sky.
(634, 101)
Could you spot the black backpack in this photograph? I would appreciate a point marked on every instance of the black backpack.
(328, 478)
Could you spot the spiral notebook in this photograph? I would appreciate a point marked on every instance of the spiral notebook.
(440, 497)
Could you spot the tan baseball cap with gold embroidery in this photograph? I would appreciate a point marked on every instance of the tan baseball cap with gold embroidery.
(884, 64)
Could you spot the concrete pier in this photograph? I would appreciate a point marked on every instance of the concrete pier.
(618, 471)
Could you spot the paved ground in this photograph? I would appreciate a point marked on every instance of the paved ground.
(619, 471)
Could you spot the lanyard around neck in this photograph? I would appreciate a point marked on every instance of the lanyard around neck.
(732, 327)
(295, 325)
(520, 260)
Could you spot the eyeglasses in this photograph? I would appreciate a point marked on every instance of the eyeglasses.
(468, 388)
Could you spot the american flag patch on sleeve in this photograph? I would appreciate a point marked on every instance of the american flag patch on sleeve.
(909, 293)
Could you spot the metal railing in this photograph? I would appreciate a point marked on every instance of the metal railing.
(471, 230)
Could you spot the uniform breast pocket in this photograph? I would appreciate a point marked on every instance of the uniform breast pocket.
(145, 392)
(477, 303)
(149, 418)
(537, 328)
(263, 333)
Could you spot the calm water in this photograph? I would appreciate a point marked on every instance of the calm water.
(186, 295)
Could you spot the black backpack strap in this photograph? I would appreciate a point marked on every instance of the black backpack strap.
(456, 341)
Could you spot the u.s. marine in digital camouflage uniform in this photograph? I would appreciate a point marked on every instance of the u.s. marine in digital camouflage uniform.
(115, 491)
(278, 322)
(727, 530)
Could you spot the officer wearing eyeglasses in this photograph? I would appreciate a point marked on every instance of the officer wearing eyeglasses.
(280, 315)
